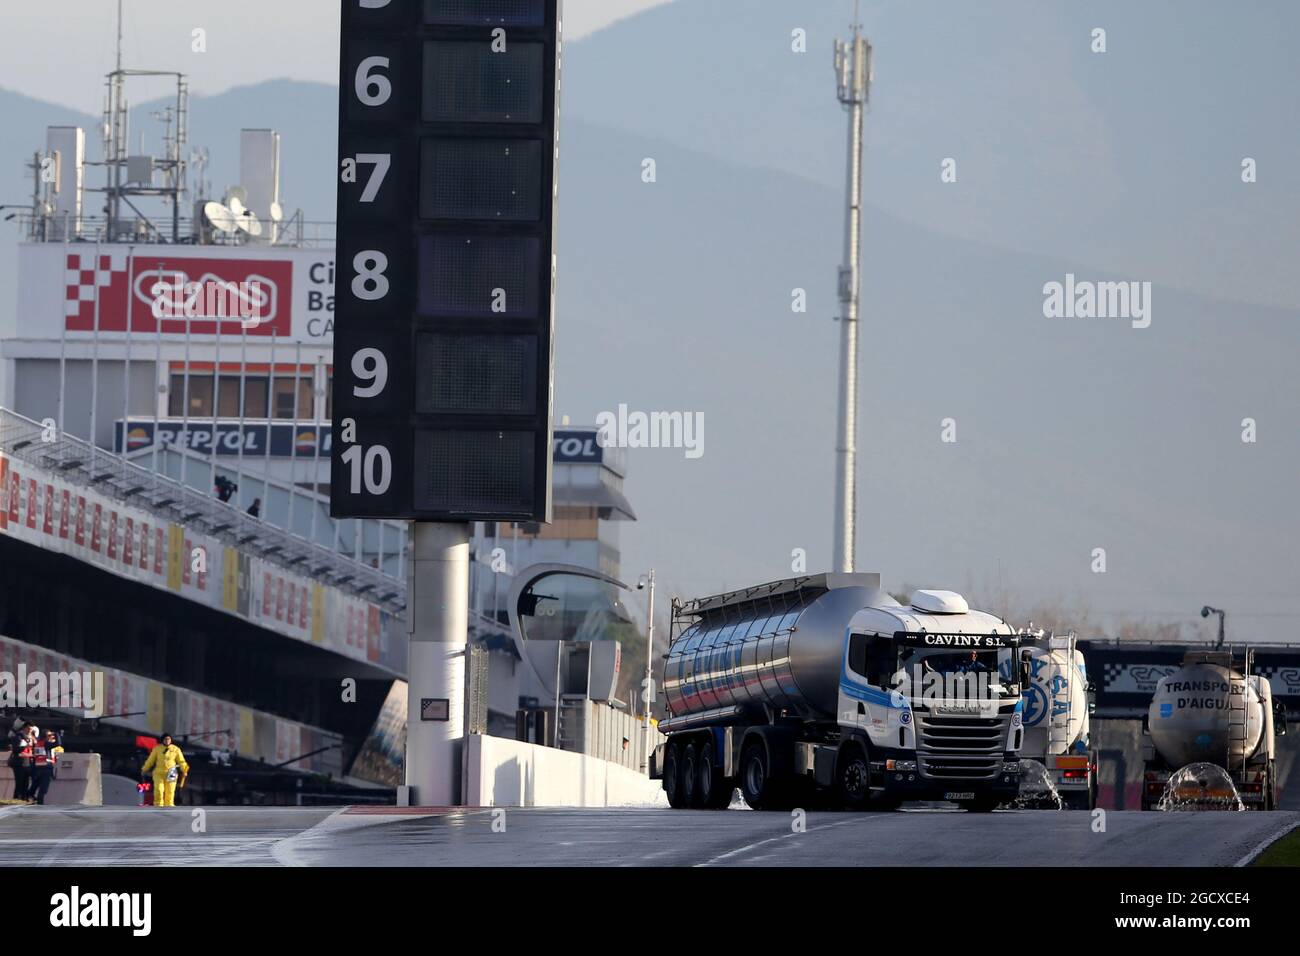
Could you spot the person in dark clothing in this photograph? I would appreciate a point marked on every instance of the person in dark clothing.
(225, 488)
(45, 752)
(20, 759)
(255, 509)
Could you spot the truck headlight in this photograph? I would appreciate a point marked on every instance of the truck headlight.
(1011, 766)
(900, 764)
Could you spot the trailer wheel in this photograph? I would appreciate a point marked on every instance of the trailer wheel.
(714, 793)
(673, 776)
(691, 776)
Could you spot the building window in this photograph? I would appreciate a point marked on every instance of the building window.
(255, 396)
(284, 397)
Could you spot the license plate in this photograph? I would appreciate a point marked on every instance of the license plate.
(959, 710)
(959, 795)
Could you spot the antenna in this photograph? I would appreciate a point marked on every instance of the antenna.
(853, 79)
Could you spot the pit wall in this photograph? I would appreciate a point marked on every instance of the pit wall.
(509, 773)
(77, 781)
(148, 706)
(1119, 781)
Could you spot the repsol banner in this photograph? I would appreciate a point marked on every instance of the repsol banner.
(285, 439)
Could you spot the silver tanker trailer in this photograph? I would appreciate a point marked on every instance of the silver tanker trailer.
(1058, 717)
(1214, 710)
(825, 686)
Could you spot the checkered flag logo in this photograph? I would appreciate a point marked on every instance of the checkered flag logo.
(84, 275)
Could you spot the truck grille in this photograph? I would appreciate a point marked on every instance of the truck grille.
(957, 747)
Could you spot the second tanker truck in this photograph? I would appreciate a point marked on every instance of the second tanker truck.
(1058, 718)
(825, 686)
(1213, 710)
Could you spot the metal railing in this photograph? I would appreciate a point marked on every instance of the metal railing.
(82, 463)
(293, 232)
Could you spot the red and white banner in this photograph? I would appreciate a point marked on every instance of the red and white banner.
(152, 289)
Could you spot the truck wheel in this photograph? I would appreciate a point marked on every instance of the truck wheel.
(757, 785)
(714, 793)
(673, 776)
(690, 777)
(854, 779)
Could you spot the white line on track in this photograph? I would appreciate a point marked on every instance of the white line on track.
(1249, 858)
(784, 836)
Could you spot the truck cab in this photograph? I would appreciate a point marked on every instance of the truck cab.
(930, 705)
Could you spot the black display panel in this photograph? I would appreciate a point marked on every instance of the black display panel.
(469, 82)
(489, 180)
(517, 13)
(474, 472)
(444, 313)
(478, 276)
(476, 374)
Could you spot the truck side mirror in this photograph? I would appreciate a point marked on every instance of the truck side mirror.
(1024, 671)
(1279, 719)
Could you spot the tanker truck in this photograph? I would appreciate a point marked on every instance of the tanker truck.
(1057, 718)
(825, 688)
(1214, 710)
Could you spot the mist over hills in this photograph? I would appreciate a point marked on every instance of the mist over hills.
(1128, 160)
(1072, 434)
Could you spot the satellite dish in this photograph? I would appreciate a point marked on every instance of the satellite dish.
(236, 205)
(237, 192)
(277, 212)
(249, 222)
(219, 217)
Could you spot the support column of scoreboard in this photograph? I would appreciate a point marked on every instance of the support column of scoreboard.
(444, 321)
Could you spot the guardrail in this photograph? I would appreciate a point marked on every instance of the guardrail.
(81, 462)
(294, 232)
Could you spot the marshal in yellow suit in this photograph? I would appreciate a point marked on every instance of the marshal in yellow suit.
(169, 771)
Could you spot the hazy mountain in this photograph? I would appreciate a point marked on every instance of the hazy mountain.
(1072, 434)
(1128, 159)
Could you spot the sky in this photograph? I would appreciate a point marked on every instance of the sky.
(1073, 435)
(247, 41)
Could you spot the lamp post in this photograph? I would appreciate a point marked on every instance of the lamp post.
(1206, 611)
(647, 690)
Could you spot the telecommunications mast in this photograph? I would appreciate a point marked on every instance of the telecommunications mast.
(853, 76)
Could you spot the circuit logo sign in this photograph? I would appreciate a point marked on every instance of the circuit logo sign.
(177, 294)
(174, 295)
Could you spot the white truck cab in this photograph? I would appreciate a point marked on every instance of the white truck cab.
(934, 688)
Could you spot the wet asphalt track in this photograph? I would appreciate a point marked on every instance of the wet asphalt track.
(285, 836)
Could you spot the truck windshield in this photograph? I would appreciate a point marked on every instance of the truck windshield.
(966, 672)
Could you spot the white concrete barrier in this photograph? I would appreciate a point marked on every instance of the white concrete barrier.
(508, 773)
(77, 781)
